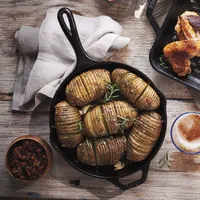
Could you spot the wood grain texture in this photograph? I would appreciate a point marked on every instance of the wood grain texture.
(165, 183)
(31, 13)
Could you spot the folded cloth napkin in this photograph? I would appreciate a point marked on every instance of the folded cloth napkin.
(47, 58)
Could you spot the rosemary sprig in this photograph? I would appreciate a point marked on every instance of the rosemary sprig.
(122, 123)
(80, 126)
(163, 62)
(164, 161)
(111, 92)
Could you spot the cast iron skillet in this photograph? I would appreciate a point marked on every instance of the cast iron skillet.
(84, 63)
(166, 34)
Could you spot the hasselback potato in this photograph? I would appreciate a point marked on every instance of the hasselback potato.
(87, 87)
(108, 119)
(106, 151)
(67, 124)
(144, 134)
(136, 90)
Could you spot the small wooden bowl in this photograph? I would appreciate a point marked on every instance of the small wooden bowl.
(39, 140)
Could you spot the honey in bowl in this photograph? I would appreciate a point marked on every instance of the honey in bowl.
(186, 133)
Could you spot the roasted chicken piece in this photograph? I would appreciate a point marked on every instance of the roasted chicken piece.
(179, 54)
(109, 119)
(136, 90)
(87, 87)
(67, 124)
(143, 136)
(106, 151)
(188, 26)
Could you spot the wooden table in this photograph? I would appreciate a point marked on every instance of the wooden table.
(180, 181)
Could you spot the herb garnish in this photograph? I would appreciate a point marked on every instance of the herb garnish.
(122, 123)
(80, 127)
(165, 161)
(163, 62)
(111, 92)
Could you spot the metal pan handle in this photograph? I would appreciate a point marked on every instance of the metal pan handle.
(149, 13)
(73, 37)
(143, 178)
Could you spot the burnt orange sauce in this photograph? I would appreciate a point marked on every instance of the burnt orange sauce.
(189, 127)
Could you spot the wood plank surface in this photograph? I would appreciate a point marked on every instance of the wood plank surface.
(176, 182)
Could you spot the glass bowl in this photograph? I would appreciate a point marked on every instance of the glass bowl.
(178, 137)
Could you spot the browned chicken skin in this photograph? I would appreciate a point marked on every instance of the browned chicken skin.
(188, 26)
(180, 52)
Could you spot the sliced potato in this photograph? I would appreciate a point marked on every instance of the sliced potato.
(86, 154)
(118, 74)
(87, 87)
(136, 90)
(109, 119)
(67, 121)
(144, 134)
(106, 151)
(70, 141)
(149, 100)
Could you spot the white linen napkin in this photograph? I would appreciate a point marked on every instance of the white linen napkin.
(47, 58)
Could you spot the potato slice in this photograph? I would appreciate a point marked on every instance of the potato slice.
(136, 90)
(88, 125)
(62, 112)
(70, 141)
(149, 100)
(138, 145)
(87, 87)
(118, 74)
(67, 119)
(126, 111)
(105, 151)
(88, 82)
(143, 136)
(98, 122)
(76, 92)
(109, 119)
(85, 153)
(130, 85)
(117, 147)
(98, 147)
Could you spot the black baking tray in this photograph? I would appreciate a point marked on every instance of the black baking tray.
(166, 34)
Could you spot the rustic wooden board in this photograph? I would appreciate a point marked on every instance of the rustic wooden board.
(181, 181)
(31, 13)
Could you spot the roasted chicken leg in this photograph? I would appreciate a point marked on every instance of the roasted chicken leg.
(179, 54)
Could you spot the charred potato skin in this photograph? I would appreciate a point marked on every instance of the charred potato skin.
(87, 87)
(66, 119)
(101, 152)
(143, 136)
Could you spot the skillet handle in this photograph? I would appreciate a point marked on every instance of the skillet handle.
(149, 14)
(143, 178)
(73, 36)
